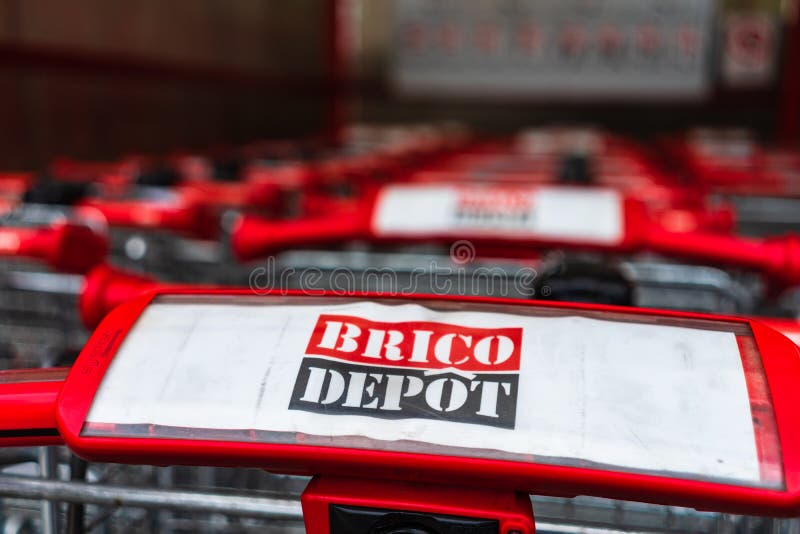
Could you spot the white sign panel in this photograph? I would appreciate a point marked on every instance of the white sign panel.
(565, 389)
(553, 213)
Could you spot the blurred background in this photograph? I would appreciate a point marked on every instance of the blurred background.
(97, 79)
(241, 142)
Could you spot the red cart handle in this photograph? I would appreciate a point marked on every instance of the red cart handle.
(105, 287)
(28, 406)
(65, 247)
(189, 217)
(254, 236)
(778, 258)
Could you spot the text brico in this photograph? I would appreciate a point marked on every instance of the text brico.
(410, 369)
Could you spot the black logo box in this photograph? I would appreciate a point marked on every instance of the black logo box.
(340, 388)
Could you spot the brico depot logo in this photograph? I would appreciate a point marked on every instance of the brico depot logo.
(494, 206)
(354, 366)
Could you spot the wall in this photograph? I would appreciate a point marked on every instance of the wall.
(98, 78)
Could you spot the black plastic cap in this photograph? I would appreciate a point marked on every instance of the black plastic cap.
(356, 520)
(158, 177)
(595, 283)
(227, 170)
(576, 169)
(58, 193)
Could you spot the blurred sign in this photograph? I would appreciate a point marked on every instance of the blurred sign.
(749, 49)
(573, 48)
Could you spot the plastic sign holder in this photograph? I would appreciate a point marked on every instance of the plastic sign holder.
(517, 219)
(424, 411)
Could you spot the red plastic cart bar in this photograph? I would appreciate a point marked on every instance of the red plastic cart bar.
(66, 246)
(126, 205)
(27, 404)
(185, 213)
(518, 218)
(106, 287)
(256, 197)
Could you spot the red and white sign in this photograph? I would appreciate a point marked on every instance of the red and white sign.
(565, 214)
(561, 388)
(418, 369)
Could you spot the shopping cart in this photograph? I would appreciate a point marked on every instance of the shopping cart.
(329, 193)
(44, 252)
(393, 497)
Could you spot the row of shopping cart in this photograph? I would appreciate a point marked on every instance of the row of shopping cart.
(698, 222)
